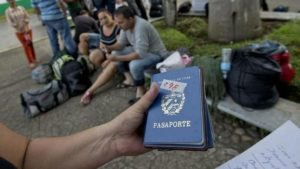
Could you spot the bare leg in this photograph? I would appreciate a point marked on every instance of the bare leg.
(128, 78)
(102, 79)
(106, 75)
(97, 57)
(83, 44)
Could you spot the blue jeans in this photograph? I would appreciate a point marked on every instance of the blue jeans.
(138, 66)
(62, 27)
(94, 40)
(108, 4)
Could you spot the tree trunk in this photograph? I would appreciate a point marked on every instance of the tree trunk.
(170, 12)
(233, 20)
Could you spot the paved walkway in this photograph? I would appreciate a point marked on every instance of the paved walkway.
(232, 137)
(9, 40)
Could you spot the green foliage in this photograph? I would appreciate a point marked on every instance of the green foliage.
(215, 88)
(193, 27)
(174, 39)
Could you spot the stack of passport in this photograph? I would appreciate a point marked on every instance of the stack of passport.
(179, 117)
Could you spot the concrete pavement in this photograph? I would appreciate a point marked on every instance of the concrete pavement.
(232, 137)
(9, 40)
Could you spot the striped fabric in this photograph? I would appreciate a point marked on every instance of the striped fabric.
(17, 18)
(112, 38)
(49, 9)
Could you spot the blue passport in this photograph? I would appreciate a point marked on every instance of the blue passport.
(179, 117)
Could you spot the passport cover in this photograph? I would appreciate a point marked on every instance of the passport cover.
(179, 118)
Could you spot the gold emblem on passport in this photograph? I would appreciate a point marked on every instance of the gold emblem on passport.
(172, 103)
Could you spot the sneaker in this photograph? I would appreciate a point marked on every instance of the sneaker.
(86, 98)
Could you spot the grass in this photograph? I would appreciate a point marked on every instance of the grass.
(191, 32)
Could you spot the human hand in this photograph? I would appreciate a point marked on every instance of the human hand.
(127, 139)
(103, 47)
(105, 63)
(110, 57)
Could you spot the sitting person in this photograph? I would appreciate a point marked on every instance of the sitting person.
(145, 49)
(88, 42)
(109, 32)
(84, 24)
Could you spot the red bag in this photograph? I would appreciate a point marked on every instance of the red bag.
(287, 71)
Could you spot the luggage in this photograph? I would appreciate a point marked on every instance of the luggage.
(252, 79)
(37, 101)
(76, 76)
(42, 74)
(281, 55)
(58, 64)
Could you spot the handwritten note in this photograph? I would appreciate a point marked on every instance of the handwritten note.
(279, 150)
(173, 86)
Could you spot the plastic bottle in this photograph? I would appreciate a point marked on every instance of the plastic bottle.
(226, 61)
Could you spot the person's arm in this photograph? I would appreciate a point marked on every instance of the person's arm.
(96, 146)
(116, 46)
(26, 20)
(27, 17)
(120, 44)
(9, 19)
(128, 57)
(61, 5)
(12, 146)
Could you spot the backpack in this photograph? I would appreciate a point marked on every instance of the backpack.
(280, 54)
(252, 79)
(58, 63)
(36, 101)
(76, 76)
(42, 74)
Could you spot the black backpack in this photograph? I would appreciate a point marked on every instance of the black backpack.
(252, 79)
(76, 76)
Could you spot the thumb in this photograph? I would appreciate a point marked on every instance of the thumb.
(143, 104)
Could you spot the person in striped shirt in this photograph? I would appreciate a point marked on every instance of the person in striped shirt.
(53, 14)
(18, 18)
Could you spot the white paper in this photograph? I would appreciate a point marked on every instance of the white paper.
(279, 150)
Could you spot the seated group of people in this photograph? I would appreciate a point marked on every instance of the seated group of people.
(126, 43)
